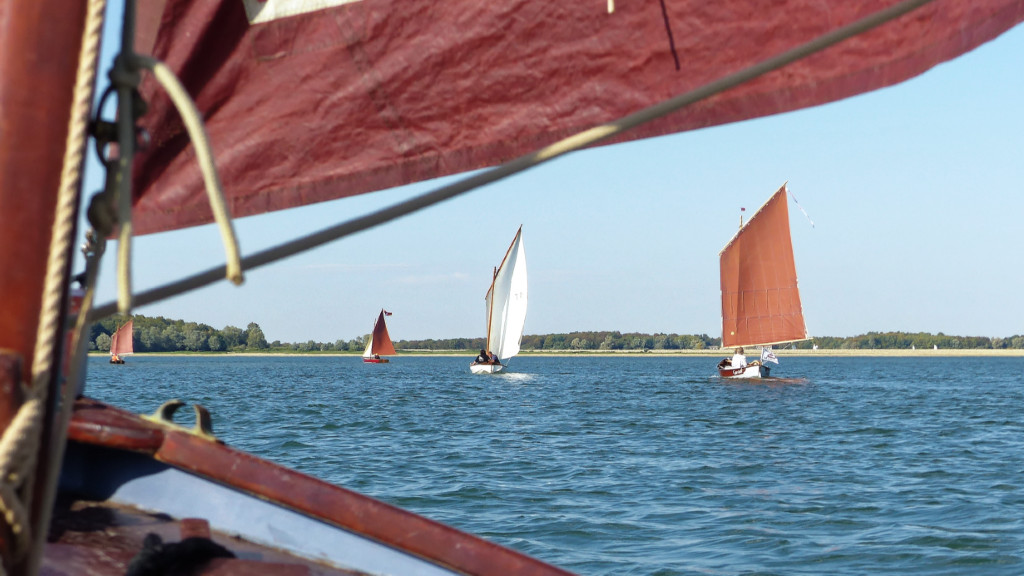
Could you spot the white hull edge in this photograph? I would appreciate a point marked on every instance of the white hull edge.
(756, 370)
(485, 368)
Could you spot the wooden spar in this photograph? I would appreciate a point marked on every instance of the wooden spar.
(39, 56)
(490, 312)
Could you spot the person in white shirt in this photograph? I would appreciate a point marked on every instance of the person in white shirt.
(738, 359)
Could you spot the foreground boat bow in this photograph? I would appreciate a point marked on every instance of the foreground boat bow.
(121, 469)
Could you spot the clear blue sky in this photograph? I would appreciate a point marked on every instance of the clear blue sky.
(916, 192)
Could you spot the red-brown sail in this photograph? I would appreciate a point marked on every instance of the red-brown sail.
(382, 345)
(351, 97)
(760, 298)
(121, 341)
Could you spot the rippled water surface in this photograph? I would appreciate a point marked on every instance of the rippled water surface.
(647, 465)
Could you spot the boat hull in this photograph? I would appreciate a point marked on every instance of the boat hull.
(752, 370)
(275, 520)
(376, 360)
(486, 368)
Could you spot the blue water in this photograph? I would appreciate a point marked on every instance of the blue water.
(647, 465)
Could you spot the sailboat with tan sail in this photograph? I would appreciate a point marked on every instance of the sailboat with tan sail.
(379, 344)
(121, 343)
(371, 102)
(760, 298)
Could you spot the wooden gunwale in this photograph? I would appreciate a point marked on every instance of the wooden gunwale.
(102, 425)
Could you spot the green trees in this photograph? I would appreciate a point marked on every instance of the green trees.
(159, 334)
(254, 337)
(103, 342)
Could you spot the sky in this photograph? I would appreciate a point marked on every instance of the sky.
(916, 193)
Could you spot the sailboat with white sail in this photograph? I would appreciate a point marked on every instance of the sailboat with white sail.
(506, 309)
(379, 344)
(121, 343)
(760, 298)
(370, 102)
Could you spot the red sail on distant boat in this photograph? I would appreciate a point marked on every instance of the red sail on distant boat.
(380, 342)
(760, 298)
(121, 343)
(310, 101)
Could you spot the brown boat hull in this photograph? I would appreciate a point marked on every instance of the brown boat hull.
(121, 460)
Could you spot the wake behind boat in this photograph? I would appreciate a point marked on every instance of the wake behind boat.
(506, 310)
(760, 298)
(380, 344)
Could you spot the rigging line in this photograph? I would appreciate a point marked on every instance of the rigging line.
(583, 139)
(791, 195)
(204, 154)
(46, 370)
(125, 77)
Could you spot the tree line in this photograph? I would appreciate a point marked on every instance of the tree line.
(159, 334)
(918, 340)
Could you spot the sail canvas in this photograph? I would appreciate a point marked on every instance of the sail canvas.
(506, 302)
(121, 341)
(760, 297)
(321, 100)
(380, 341)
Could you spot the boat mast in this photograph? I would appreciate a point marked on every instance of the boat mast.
(490, 310)
(39, 62)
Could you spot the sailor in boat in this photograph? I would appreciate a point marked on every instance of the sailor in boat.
(485, 357)
(738, 359)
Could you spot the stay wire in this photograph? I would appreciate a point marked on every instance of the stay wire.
(572, 143)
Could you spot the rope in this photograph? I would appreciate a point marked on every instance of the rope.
(201, 141)
(125, 78)
(587, 138)
(19, 449)
(19, 445)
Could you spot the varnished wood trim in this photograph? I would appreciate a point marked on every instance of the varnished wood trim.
(99, 424)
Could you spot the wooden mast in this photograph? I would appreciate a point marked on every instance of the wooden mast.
(39, 57)
(490, 312)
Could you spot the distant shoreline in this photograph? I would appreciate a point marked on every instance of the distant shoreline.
(940, 353)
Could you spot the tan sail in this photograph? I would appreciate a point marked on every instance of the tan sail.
(121, 341)
(760, 297)
(380, 341)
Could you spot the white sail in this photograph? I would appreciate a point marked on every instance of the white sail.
(369, 345)
(506, 302)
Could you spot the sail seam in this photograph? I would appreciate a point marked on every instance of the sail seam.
(587, 138)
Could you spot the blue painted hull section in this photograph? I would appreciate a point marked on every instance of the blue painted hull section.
(139, 481)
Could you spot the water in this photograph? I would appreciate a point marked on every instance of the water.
(647, 466)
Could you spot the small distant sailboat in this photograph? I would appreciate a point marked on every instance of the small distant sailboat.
(506, 308)
(380, 342)
(121, 343)
(760, 298)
